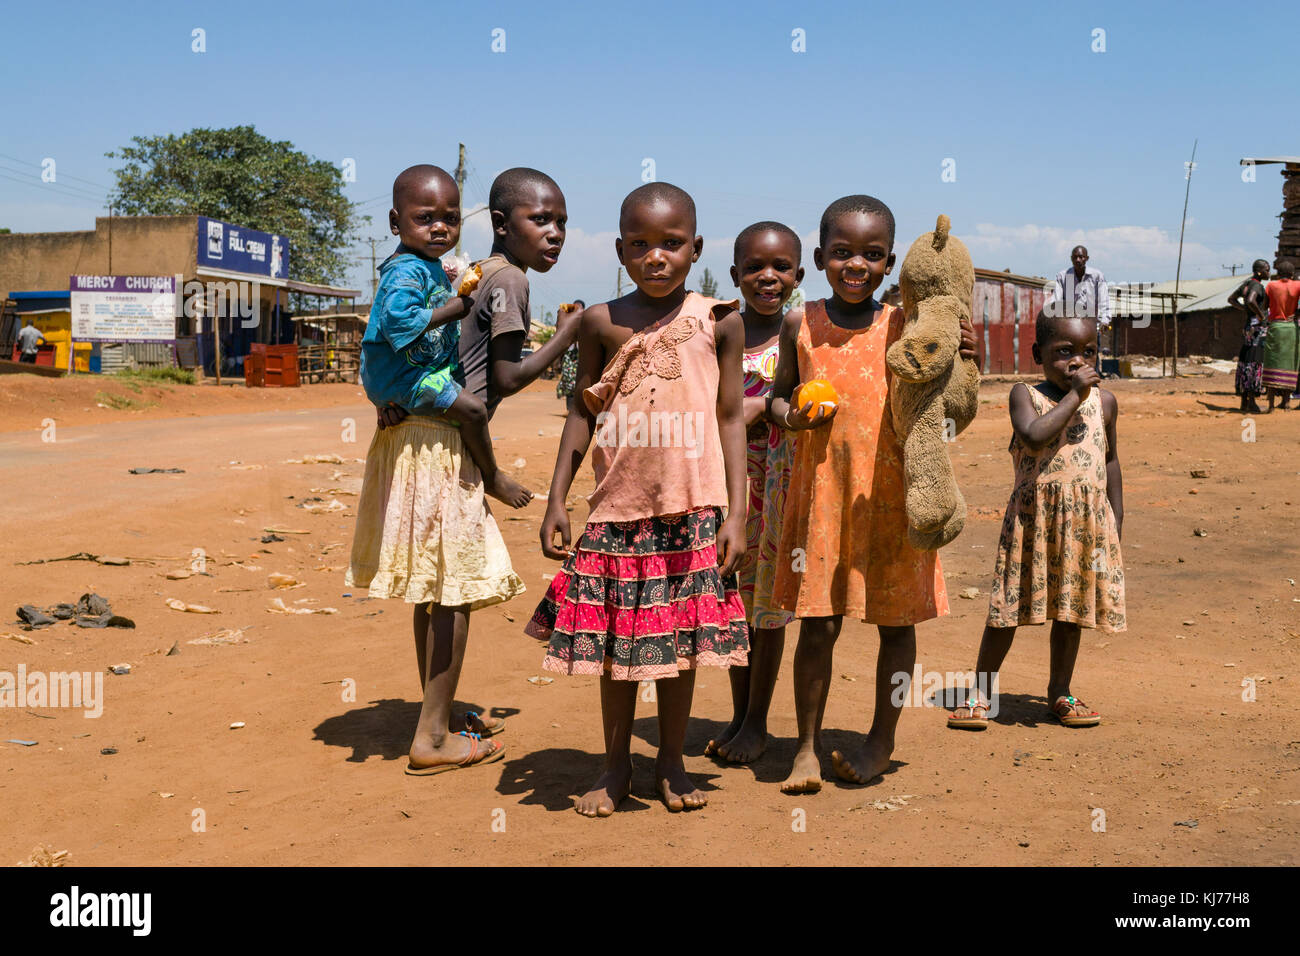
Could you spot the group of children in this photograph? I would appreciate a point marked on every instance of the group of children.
(723, 508)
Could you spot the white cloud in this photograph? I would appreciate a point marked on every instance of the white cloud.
(1123, 253)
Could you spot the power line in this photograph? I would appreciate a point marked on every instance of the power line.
(46, 188)
(80, 190)
(78, 178)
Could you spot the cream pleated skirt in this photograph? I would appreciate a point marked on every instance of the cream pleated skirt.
(424, 532)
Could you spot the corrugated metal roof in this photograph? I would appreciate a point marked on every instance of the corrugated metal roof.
(1206, 294)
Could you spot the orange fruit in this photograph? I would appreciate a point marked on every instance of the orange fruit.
(819, 392)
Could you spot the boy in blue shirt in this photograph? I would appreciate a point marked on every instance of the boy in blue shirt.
(410, 354)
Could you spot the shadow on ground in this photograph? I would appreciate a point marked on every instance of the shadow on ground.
(383, 728)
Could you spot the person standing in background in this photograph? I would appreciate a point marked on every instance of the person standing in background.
(1251, 298)
(1080, 292)
(569, 366)
(29, 337)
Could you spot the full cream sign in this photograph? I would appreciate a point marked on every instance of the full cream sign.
(123, 308)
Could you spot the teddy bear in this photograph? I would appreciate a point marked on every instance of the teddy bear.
(934, 392)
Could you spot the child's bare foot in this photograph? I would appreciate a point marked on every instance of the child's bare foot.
(607, 793)
(747, 744)
(504, 488)
(869, 762)
(677, 791)
(805, 775)
(714, 746)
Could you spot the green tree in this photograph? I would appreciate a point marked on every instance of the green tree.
(708, 284)
(240, 176)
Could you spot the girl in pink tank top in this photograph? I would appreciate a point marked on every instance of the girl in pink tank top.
(649, 593)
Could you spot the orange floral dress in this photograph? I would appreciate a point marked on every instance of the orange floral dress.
(1058, 554)
(844, 540)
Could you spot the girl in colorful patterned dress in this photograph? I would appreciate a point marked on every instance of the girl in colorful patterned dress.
(1058, 555)
(649, 592)
(766, 271)
(844, 548)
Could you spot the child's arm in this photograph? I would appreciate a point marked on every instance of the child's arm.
(511, 371)
(453, 310)
(578, 430)
(786, 380)
(729, 333)
(754, 408)
(1037, 430)
(1114, 480)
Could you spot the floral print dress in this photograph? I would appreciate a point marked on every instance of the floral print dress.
(1058, 555)
(769, 452)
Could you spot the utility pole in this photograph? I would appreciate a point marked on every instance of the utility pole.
(1234, 267)
(619, 294)
(374, 269)
(460, 186)
(1178, 273)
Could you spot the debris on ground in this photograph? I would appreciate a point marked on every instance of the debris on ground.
(119, 669)
(91, 610)
(178, 605)
(284, 582)
(1190, 824)
(541, 680)
(278, 607)
(44, 856)
(25, 743)
(226, 635)
(157, 471)
(969, 594)
(286, 531)
(20, 638)
(313, 506)
(237, 725)
(271, 538)
(315, 460)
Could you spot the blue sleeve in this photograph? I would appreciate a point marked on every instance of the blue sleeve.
(403, 316)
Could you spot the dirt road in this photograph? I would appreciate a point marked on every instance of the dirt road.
(1182, 770)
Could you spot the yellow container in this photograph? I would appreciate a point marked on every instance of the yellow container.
(81, 356)
(57, 329)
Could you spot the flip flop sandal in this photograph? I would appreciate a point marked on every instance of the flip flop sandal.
(1071, 719)
(473, 759)
(972, 722)
(473, 715)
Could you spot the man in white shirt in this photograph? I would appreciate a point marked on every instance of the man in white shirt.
(28, 338)
(1080, 291)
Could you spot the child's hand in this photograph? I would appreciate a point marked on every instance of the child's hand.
(555, 522)
(568, 312)
(967, 347)
(799, 419)
(390, 414)
(730, 544)
(1083, 379)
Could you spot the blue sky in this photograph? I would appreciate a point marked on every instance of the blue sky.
(1052, 142)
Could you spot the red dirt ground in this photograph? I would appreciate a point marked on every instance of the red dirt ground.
(314, 779)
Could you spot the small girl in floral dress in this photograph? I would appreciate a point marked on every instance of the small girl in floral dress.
(1059, 555)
